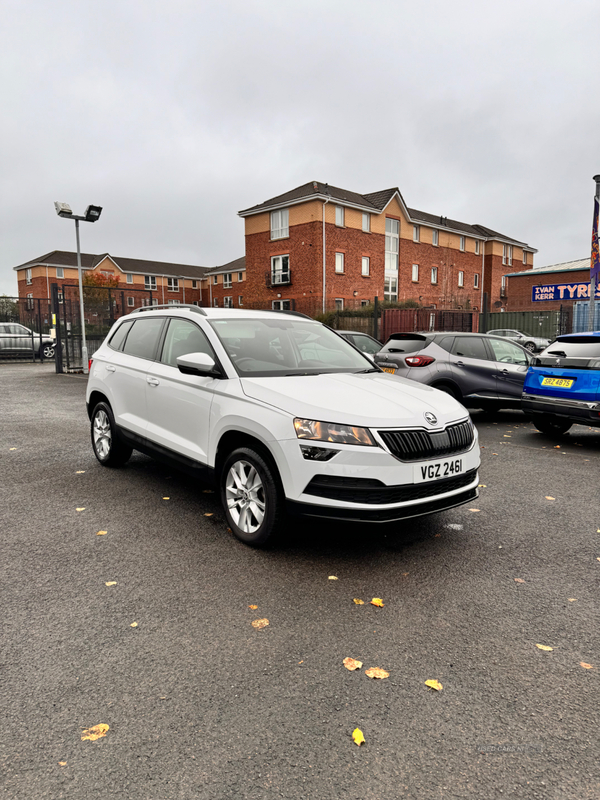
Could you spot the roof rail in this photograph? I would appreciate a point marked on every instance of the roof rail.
(197, 309)
(291, 313)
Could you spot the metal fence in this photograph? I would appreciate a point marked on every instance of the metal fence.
(581, 311)
(547, 324)
(25, 329)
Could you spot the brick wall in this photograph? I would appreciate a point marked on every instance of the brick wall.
(519, 289)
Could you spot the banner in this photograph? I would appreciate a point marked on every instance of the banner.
(563, 291)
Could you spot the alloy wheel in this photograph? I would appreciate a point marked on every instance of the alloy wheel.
(245, 496)
(102, 434)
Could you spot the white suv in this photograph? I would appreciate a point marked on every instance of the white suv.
(282, 414)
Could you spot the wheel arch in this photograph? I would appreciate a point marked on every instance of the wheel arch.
(447, 383)
(95, 398)
(232, 439)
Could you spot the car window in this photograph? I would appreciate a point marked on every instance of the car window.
(446, 343)
(184, 337)
(470, 347)
(364, 343)
(575, 347)
(408, 345)
(508, 353)
(143, 337)
(118, 337)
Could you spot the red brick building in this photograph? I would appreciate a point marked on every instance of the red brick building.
(548, 288)
(321, 246)
(223, 287)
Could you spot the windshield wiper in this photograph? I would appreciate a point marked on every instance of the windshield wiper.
(363, 371)
(293, 374)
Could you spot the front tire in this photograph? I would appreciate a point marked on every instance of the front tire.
(48, 351)
(108, 447)
(551, 425)
(530, 346)
(251, 496)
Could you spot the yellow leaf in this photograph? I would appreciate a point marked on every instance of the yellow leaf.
(557, 447)
(101, 533)
(519, 580)
(12, 448)
(597, 558)
(357, 736)
(166, 498)
(377, 601)
(260, 623)
(79, 472)
(377, 672)
(110, 583)
(352, 664)
(494, 454)
(332, 578)
(482, 486)
(209, 514)
(548, 497)
(358, 601)
(133, 625)
(406, 573)
(434, 685)
(544, 647)
(253, 607)
(62, 763)
(474, 510)
(97, 732)
(572, 599)
(80, 509)
(585, 666)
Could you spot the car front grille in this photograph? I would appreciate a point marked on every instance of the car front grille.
(416, 445)
(373, 492)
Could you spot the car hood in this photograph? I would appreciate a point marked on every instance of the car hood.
(369, 400)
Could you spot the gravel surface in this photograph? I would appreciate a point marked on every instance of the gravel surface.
(200, 704)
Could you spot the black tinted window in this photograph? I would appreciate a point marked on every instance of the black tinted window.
(143, 338)
(405, 345)
(469, 347)
(446, 343)
(118, 337)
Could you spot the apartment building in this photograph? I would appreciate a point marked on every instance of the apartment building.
(223, 287)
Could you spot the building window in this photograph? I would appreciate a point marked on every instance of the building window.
(339, 304)
(390, 289)
(366, 265)
(392, 244)
(435, 238)
(30, 301)
(129, 277)
(416, 233)
(462, 244)
(477, 243)
(415, 273)
(130, 302)
(149, 282)
(173, 302)
(339, 216)
(476, 281)
(173, 284)
(240, 276)
(228, 302)
(154, 301)
(28, 276)
(366, 222)
(504, 254)
(194, 284)
(503, 284)
(364, 303)
(280, 269)
(227, 280)
(461, 279)
(215, 303)
(215, 280)
(280, 224)
(524, 256)
(281, 305)
(339, 262)
(434, 274)
(240, 300)
(60, 272)
(510, 255)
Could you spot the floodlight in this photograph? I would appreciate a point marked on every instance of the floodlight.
(92, 213)
(63, 209)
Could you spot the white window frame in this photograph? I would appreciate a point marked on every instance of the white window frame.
(504, 254)
(227, 280)
(215, 280)
(434, 276)
(215, 302)
(390, 288)
(416, 233)
(339, 263)
(154, 301)
(461, 279)
(339, 216)
(60, 272)
(173, 302)
(364, 303)
(194, 284)
(240, 299)
(366, 222)
(525, 256)
(510, 255)
(172, 284)
(150, 282)
(240, 276)
(477, 246)
(280, 272)
(280, 223)
(365, 268)
(462, 244)
(128, 277)
(28, 278)
(392, 246)
(279, 305)
(339, 303)
(503, 282)
(228, 302)
(415, 273)
(435, 237)
(476, 281)
(130, 302)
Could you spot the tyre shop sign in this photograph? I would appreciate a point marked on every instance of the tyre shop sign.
(563, 291)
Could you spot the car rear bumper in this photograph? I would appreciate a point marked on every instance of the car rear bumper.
(584, 411)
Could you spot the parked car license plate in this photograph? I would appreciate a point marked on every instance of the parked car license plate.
(391, 370)
(564, 383)
(438, 470)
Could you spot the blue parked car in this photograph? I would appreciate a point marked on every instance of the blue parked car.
(562, 385)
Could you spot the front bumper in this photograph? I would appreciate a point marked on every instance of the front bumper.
(583, 411)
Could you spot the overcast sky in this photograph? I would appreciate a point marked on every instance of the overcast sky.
(174, 116)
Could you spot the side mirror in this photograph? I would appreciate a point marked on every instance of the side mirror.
(198, 364)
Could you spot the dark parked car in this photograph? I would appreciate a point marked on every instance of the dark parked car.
(562, 386)
(480, 370)
(362, 341)
(16, 340)
(532, 343)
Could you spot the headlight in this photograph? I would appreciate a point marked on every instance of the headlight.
(332, 432)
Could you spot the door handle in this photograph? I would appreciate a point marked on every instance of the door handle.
(460, 363)
(111, 368)
(153, 381)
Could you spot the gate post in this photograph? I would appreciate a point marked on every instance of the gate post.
(376, 317)
(58, 363)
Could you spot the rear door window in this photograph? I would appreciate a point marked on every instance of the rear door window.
(119, 336)
(470, 347)
(143, 337)
(182, 338)
(507, 352)
(575, 347)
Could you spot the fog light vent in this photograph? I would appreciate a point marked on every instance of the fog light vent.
(317, 453)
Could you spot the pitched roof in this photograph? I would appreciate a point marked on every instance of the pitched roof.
(566, 266)
(62, 258)
(238, 265)
(310, 190)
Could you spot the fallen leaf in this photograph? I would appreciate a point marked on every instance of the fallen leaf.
(377, 601)
(507, 436)
(110, 583)
(548, 497)
(474, 510)
(209, 514)
(352, 664)
(101, 533)
(434, 685)
(572, 599)
(260, 623)
(544, 647)
(494, 454)
(406, 573)
(357, 736)
(12, 448)
(62, 763)
(79, 472)
(585, 666)
(207, 491)
(301, 662)
(597, 558)
(133, 625)
(166, 498)
(253, 607)
(436, 535)
(358, 601)
(482, 486)
(557, 447)
(377, 672)
(80, 509)
(96, 732)
(519, 580)
(332, 578)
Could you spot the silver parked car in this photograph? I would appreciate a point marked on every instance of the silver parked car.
(480, 370)
(362, 341)
(532, 343)
(17, 340)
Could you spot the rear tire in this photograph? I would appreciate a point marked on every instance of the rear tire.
(530, 346)
(551, 425)
(109, 449)
(251, 496)
(47, 351)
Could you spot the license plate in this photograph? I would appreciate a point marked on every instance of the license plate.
(438, 470)
(564, 383)
(391, 370)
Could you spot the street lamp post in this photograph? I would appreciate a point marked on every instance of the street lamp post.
(92, 213)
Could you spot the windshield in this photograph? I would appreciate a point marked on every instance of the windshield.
(286, 346)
